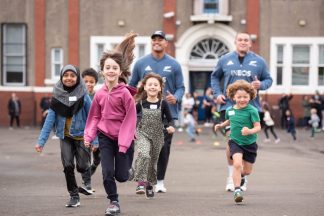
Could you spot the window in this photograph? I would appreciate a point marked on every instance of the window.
(211, 6)
(279, 64)
(57, 62)
(321, 65)
(208, 49)
(14, 54)
(300, 64)
(100, 43)
(297, 64)
(211, 11)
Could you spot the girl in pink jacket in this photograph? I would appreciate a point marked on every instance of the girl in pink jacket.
(112, 117)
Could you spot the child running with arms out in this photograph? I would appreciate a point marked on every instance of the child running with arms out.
(153, 117)
(113, 118)
(68, 111)
(90, 78)
(245, 124)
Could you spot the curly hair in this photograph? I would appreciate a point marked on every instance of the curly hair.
(141, 93)
(90, 72)
(240, 85)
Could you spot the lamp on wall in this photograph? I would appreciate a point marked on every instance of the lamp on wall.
(169, 15)
(121, 23)
(253, 37)
(302, 22)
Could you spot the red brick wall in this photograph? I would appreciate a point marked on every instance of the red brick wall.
(169, 24)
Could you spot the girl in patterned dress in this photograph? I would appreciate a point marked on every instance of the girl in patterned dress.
(153, 116)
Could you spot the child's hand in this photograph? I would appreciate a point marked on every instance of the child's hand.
(87, 144)
(217, 126)
(94, 148)
(245, 131)
(170, 130)
(38, 148)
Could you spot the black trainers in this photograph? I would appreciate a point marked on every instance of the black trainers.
(113, 208)
(73, 202)
(86, 190)
(93, 169)
(149, 192)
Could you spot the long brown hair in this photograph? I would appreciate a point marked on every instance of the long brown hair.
(123, 55)
(141, 93)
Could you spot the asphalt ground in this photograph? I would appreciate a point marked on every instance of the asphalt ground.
(287, 180)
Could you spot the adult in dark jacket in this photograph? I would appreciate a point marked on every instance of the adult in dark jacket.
(284, 106)
(14, 109)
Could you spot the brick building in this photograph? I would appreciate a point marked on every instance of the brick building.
(39, 36)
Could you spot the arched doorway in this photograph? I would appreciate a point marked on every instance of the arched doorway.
(200, 46)
(198, 51)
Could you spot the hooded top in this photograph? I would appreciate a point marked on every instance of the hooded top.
(113, 113)
(67, 101)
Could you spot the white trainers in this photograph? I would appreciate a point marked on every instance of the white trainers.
(266, 140)
(229, 184)
(244, 186)
(54, 137)
(159, 187)
(277, 140)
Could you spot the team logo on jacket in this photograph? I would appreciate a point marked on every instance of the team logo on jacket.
(167, 68)
(230, 62)
(253, 63)
(148, 68)
(245, 73)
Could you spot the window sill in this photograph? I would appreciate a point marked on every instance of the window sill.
(211, 18)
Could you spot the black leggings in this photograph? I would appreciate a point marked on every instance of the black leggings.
(70, 149)
(266, 128)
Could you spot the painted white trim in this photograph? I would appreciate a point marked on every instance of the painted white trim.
(109, 41)
(53, 62)
(288, 43)
(26, 89)
(194, 35)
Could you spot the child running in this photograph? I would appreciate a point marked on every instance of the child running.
(190, 123)
(90, 78)
(68, 111)
(314, 121)
(245, 124)
(290, 123)
(113, 118)
(152, 112)
(269, 124)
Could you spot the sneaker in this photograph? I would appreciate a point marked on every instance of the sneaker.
(244, 183)
(266, 140)
(140, 189)
(159, 187)
(93, 169)
(277, 140)
(54, 137)
(86, 190)
(238, 196)
(149, 192)
(113, 208)
(229, 184)
(73, 202)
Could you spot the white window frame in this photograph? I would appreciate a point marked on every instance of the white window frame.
(288, 43)
(320, 64)
(23, 54)
(53, 62)
(110, 41)
(222, 14)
